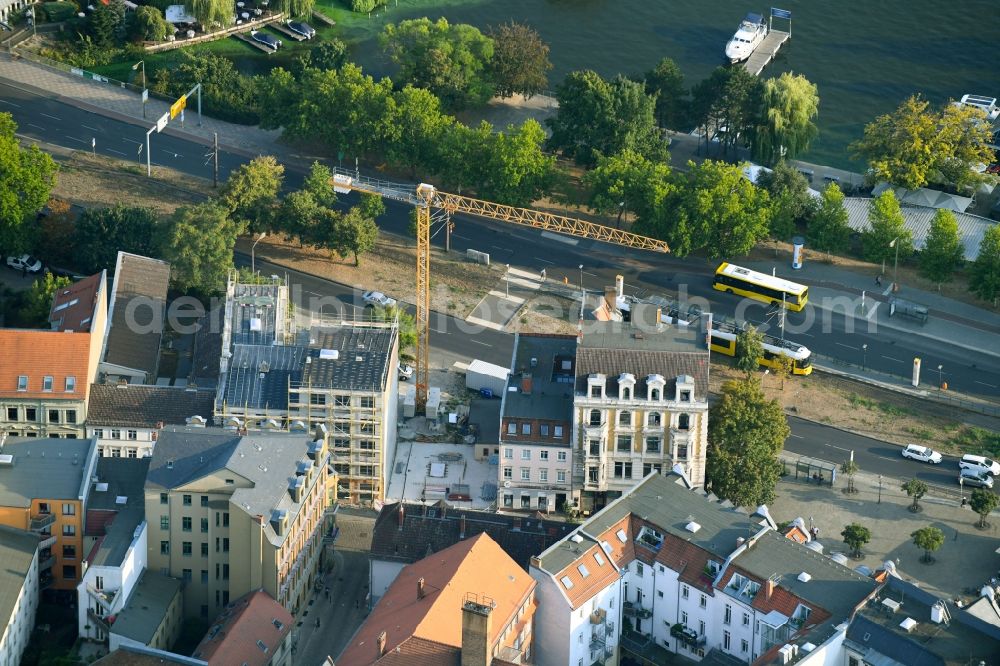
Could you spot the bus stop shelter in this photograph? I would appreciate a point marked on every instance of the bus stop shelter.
(814, 470)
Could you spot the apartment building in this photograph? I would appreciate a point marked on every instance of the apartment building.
(640, 405)
(45, 489)
(468, 604)
(665, 569)
(152, 616)
(125, 419)
(18, 591)
(254, 630)
(536, 424)
(231, 512)
(45, 375)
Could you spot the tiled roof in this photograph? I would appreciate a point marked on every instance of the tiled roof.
(416, 651)
(612, 362)
(131, 405)
(36, 354)
(477, 565)
(599, 574)
(362, 362)
(688, 559)
(621, 552)
(133, 339)
(237, 633)
(73, 307)
(140, 655)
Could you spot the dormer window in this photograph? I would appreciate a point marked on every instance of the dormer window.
(47, 383)
(595, 385)
(22, 383)
(654, 387)
(685, 388)
(626, 385)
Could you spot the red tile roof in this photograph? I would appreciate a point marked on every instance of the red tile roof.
(599, 576)
(688, 559)
(73, 307)
(237, 634)
(40, 353)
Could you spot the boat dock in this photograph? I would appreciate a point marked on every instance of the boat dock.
(766, 51)
(257, 45)
(288, 32)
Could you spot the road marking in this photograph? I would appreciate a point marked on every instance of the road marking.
(313, 293)
(529, 275)
(36, 126)
(94, 129)
(18, 106)
(848, 346)
(889, 358)
(796, 436)
(73, 138)
(873, 311)
(502, 249)
(116, 152)
(170, 152)
(465, 238)
(544, 260)
(808, 335)
(482, 322)
(48, 116)
(985, 384)
(560, 238)
(485, 344)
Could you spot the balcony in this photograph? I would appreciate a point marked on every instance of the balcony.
(47, 542)
(41, 521)
(688, 636)
(598, 639)
(105, 597)
(636, 609)
(98, 620)
(45, 580)
(45, 563)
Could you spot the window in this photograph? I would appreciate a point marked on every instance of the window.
(744, 646)
(163, 498)
(653, 420)
(511, 428)
(12, 413)
(595, 417)
(116, 452)
(69, 530)
(204, 549)
(164, 522)
(703, 602)
(525, 501)
(204, 500)
(595, 447)
(117, 434)
(652, 445)
(626, 393)
(186, 548)
(204, 524)
(69, 572)
(186, 574)
(187, 500)
(68, 509)
(225, 544)
(99, 582)
(132, 434)
(70, 384)
(701, 627)
(685, 396)
(624, 443)
(727, 640)
(746, 619)
(651, 467)
(684, 422)
(685, 591)
(561, 456)
(682, 451)
(525, 428)
(561, 476)
(508, 453)
(543, 429)
(22, 383)
(557, 431)
(592, 476)
(53, 416)
(595, 391)
(508, 501)
(525, 454)
(317, 399)
(69, 552)
(727, 617)
(225, 519)
(341, 401)
(508, 472)
(638, 572)
(625, 418)
(132, 453)
(47, 383)
(543, 455)
(684, 618)
(543, 475)
(30, 414)
(526, 474)
(186, 523)
(582, 568)
(164, 548)
(654, 394)
(204, 580)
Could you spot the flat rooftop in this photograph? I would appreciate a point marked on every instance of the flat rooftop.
(117, 506)
(550, 363)
(351, 358)
(258, 376)
(51, 469)
(254, 313)
(17, 550)
(146, 607)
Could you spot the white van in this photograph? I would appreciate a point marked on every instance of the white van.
(979, 464)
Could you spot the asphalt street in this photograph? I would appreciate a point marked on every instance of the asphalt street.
(826, 333)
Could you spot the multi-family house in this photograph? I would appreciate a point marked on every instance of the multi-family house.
(640, 405)
(254, 630)
(230, 512)
(114, 543)
(536, 418)
(45, 488)
(125, 419)
(665, 569)
(18, 591)
(45, 375)
(152, 616)
(469, 604)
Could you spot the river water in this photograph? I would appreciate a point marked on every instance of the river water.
(865, 56)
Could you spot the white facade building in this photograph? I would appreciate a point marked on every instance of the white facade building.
(18, 591)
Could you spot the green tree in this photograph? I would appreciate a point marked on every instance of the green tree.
(226, 93)
(149, 25)
(520, 62)
(790, 199)
(56, 229)
(916, 489)
(211, 13)
(984, 274)
(300, 213)
(199, 246)
(749, 349)
(27, 175)
(102, 232)
(331, 53)
(928, 539)
(828, 229)
(665, 83)
(856, 536)
(294, 8)
(371, 206)
(943, 251)
(964, 141)
(850, 468)
(422, 129)
(782, 368)
(407, 328)
(516, 170)
(785, 127)
(319, 183)
(746, 431)
(729, 98)
(38, 299)
(251, 193)
(366, 6)
(886, 236)
(627, 181)
(449, 60)
(358, 234)
(106, 24)
(984, 502)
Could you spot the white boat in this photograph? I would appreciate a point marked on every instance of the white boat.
(752, 31)
(988, 105)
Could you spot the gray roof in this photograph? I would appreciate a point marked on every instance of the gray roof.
(110, 519)
(543, 358)
(131, 405)
(246, 388)
(362, 362)
(267, 460)
(17, 550)
(254, 303)
(132, 339)
(485, 414)
(146, 606)
(47, 468)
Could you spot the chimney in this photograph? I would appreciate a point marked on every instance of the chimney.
(611, 299)
(461, 527)
(421, 592)
(526, 383)
(400, 516)
(768, 589)
(476, 625)
(619, 286)
(380, 641)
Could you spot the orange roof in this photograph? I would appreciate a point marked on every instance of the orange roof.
(797, 534)
(477, 565)
(36, 354)
(73, 307)
(598, 577)
(621, 553)
(687, 559)
(236, 636)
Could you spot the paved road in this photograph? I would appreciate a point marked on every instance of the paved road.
(887, 350)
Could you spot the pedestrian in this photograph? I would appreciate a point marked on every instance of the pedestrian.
(317, 623)
(878, 280)
(543, 274)
(356, 604)
(327, 593)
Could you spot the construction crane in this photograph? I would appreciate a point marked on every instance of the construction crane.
(425, 197)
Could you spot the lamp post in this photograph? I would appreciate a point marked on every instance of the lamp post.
(30, 14)
(506, 281)
(864, 356)
(253, 256)
(895, 265)
(879, 488)
(961, 489)
(940, 376)
(145, 94)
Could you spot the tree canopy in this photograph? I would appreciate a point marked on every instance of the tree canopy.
(984, 274)
(785, 127)
(916, 489)
(210, 12)
(749, 349)
(984, 502)
(856, 536)
(27, 175)
(791, 202)
(828, 230)
(520, 63)
(628, 182)
(199, 246)
(886, 236)
(665, 83)
(729, 98)
(746, 431)
(251, 193)
(928, 539)
(148, 24)
(38, 299)
(943, 251)
(102, 232)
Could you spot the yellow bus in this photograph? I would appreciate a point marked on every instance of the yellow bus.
(760, 286)
(723, 340)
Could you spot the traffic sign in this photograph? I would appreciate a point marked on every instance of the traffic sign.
(178, 106)
(145, 95)
(162, 122)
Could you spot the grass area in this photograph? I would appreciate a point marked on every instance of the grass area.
(359, 27)
(876, 405)
(977, 440)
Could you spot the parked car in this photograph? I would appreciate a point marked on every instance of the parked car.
(405, 372)
(24, 263)
(303, 29)
(968, 477)
(265, 39)
(377, 298)
(979, 464)
(921, 453)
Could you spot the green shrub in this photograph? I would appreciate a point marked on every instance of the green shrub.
(365, 6)
(53, 12)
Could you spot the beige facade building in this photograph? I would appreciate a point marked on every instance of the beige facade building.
(230, 512)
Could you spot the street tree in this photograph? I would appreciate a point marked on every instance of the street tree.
(319, 183)
(746, 431)
(984, 502)
(856, 536)
(782, 368)
(964, 139)
(984, 274)
(916, 489)
(102, 232)
(407, 329)
(785, 128)
(422, 128)
(850, 468)
(886, 236)
(106, 24)
(38, 299)
(27, 175)
(300, 213)
(791, 202)
(943, 251)
(520, 63)
(199, 247)
(371, 206)
(358, 234)
(148, 24)
(251, 194)
(728, 99)
(749, 349)
(928, 539)
(210, 12)
(828, 230)
(56, 229)
(331, 53)
(665, 83)
(450, 60)
(627, 182)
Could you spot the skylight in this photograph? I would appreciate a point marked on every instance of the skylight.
(582, 568)
(567, 583)
(621, 536)
(600, 560)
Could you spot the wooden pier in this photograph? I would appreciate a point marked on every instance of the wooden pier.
(288, 32)
(252, 42)
(766, 51)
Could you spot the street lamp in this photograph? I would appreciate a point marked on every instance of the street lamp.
(506, 281)
(940, 376)
(145, 94)
(895, 265)
(879, 488)
(30, 14)
(864, 356)
(581, 279)
(253, 257)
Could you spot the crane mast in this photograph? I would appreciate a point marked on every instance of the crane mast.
(425, 197)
